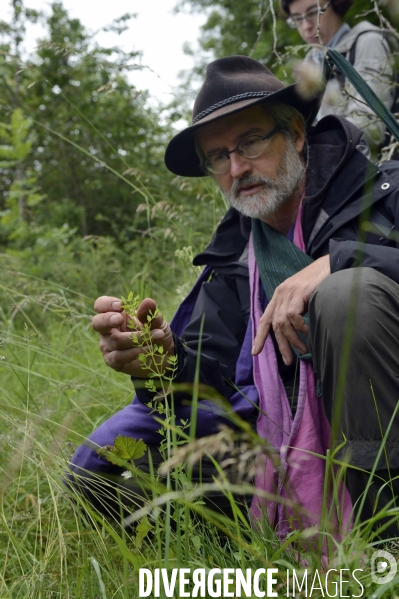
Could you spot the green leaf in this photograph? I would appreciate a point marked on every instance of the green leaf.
(7, 152)
(99, 577)
(110, 455)
(364, 90)
(142, 531)
(129, 448)
(150, 385)
(196, 541)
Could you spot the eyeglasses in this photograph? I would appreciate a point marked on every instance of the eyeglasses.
(310, 16)
(249, 147)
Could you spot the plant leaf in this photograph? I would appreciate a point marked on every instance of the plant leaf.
(129, 448)
(108, 452)
(142, 531)
(368, 95)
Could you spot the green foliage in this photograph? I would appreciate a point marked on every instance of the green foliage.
(125, 449)
(90, 123)
(128, 448)
(143, 528)
(84, 194)
(130, 304)
(17, 135)
(23, 196)
(91, 127)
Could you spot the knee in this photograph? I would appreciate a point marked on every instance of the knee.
(348, 297)
(353, 288)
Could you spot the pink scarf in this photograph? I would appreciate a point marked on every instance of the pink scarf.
(290, 477)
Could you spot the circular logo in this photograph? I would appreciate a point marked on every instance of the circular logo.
(383, 567)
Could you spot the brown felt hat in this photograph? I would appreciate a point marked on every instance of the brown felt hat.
(231, 84)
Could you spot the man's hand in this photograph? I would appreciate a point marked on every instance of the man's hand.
(285, 311)
(119, 350)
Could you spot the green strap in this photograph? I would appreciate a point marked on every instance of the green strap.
(368, 95)
(277, 259)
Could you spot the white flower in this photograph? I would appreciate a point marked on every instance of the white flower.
(127, 474)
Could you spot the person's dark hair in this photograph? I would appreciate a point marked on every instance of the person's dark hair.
(338, 6)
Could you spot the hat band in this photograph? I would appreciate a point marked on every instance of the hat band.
(231, 100)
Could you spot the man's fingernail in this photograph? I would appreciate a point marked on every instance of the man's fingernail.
(285, 361)
(116, 306)
(253, 349)
(115, 319)
(158, 335)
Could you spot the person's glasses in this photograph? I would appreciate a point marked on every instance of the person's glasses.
(249, 147)
(310, 16)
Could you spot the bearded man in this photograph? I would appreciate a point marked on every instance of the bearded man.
(296, 312)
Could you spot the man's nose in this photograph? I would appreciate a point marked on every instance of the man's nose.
(239, 165)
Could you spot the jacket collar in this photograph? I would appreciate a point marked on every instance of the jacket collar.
(229, 241)
(332, 144)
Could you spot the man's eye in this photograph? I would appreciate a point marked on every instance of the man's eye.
(250, 143)
(312, 13)
(217, 158)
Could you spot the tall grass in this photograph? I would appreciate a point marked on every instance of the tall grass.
(54, 391)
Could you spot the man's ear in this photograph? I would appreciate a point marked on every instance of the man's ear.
(298, 134)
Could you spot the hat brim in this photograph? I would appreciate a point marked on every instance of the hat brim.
(181, 157)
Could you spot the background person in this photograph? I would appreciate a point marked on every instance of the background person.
(365, 46)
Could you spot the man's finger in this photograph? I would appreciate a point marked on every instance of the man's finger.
(296, 319)
(261, 336)
(117, 340)
(124, 360)
(107, 322)
(263, 330)
(299, 324)
(287, 335)
(147, 308)
(284, 346)
(107, 303)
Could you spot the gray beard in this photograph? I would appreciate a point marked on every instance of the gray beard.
(274, 192)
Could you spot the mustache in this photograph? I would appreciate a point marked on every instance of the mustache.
(247, 180)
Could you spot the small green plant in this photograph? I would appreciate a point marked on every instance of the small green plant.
(160, 369)
(124, 448)
(152, 358)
